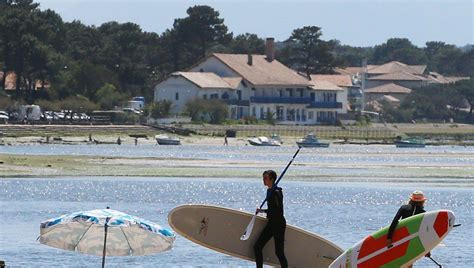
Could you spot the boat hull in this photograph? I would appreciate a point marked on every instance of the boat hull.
(312, 145)
(409, 145)
(168, 142)
(257, 142)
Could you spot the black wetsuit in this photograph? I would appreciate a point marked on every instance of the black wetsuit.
(403, 212)
(275, 228)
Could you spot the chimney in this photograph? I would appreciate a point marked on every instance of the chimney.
(269, 49)
(249, 59)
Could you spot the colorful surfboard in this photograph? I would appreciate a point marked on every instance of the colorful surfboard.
(413, 238)
(220, 229)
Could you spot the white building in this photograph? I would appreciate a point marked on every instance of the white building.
(255, 85)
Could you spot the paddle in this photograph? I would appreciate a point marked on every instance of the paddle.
(248, 230)
(439, 265)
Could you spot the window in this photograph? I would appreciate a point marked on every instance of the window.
(280, 92)
(301, 92)
(176, 97)
(254, 111)
(290, 92)
(239, 94)
(214, 96)
(225, 96)
(240, 112)
(204, 96)
(329, 97)
(280, 112)
(310, 115)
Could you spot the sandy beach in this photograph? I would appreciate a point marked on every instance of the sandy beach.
(200, 160)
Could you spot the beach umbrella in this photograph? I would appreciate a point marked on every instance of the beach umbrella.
(105, 232)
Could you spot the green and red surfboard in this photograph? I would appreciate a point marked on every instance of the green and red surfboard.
(413, 238)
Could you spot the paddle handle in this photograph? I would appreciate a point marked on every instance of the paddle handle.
(281, 176)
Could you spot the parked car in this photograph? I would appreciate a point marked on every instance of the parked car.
(132, 110)
(4, 117)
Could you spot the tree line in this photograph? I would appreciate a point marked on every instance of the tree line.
(107, 64)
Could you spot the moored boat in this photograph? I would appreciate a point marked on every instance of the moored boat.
(263, 141)
(311, 141)
(410, 142)
(167, 140)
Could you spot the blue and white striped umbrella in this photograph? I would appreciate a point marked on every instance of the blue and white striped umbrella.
(105, 232)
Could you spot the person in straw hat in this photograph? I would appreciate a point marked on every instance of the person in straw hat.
(415, 206)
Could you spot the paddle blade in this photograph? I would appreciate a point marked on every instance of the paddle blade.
(248, 230)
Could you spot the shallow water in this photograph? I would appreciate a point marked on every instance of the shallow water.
(431, 155)
(341, 212)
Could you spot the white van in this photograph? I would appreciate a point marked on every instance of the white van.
(30, 112)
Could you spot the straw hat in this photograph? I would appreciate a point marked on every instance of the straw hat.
(417, 196)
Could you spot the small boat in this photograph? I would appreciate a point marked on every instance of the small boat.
(167, 140)
(311, 141)
(410, 142)
(276, 137)
(263, 141)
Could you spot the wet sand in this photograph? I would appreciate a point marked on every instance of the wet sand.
(41, 166)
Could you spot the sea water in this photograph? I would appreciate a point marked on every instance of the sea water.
(344, 207)
(341, 212)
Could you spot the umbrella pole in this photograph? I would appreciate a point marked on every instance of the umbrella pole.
(105, 242)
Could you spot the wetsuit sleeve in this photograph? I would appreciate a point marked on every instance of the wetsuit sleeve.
(394, 223)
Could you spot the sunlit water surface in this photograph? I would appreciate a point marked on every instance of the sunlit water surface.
(431, 155)
(343, 213)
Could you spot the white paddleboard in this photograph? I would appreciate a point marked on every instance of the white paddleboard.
(221, 228)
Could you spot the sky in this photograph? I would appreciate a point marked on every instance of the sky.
(353, 22)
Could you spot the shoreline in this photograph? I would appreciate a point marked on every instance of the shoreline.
(435, 134)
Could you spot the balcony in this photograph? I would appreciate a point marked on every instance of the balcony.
(280, 100)
(325, 105)
(237, 102)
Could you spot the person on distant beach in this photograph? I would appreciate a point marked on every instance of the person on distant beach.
(119, 141)
(276, 224)
(136, 141)
(225, 140)
(415, 206)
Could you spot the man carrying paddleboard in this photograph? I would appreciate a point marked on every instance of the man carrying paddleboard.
(276, 221)
(414, 207)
